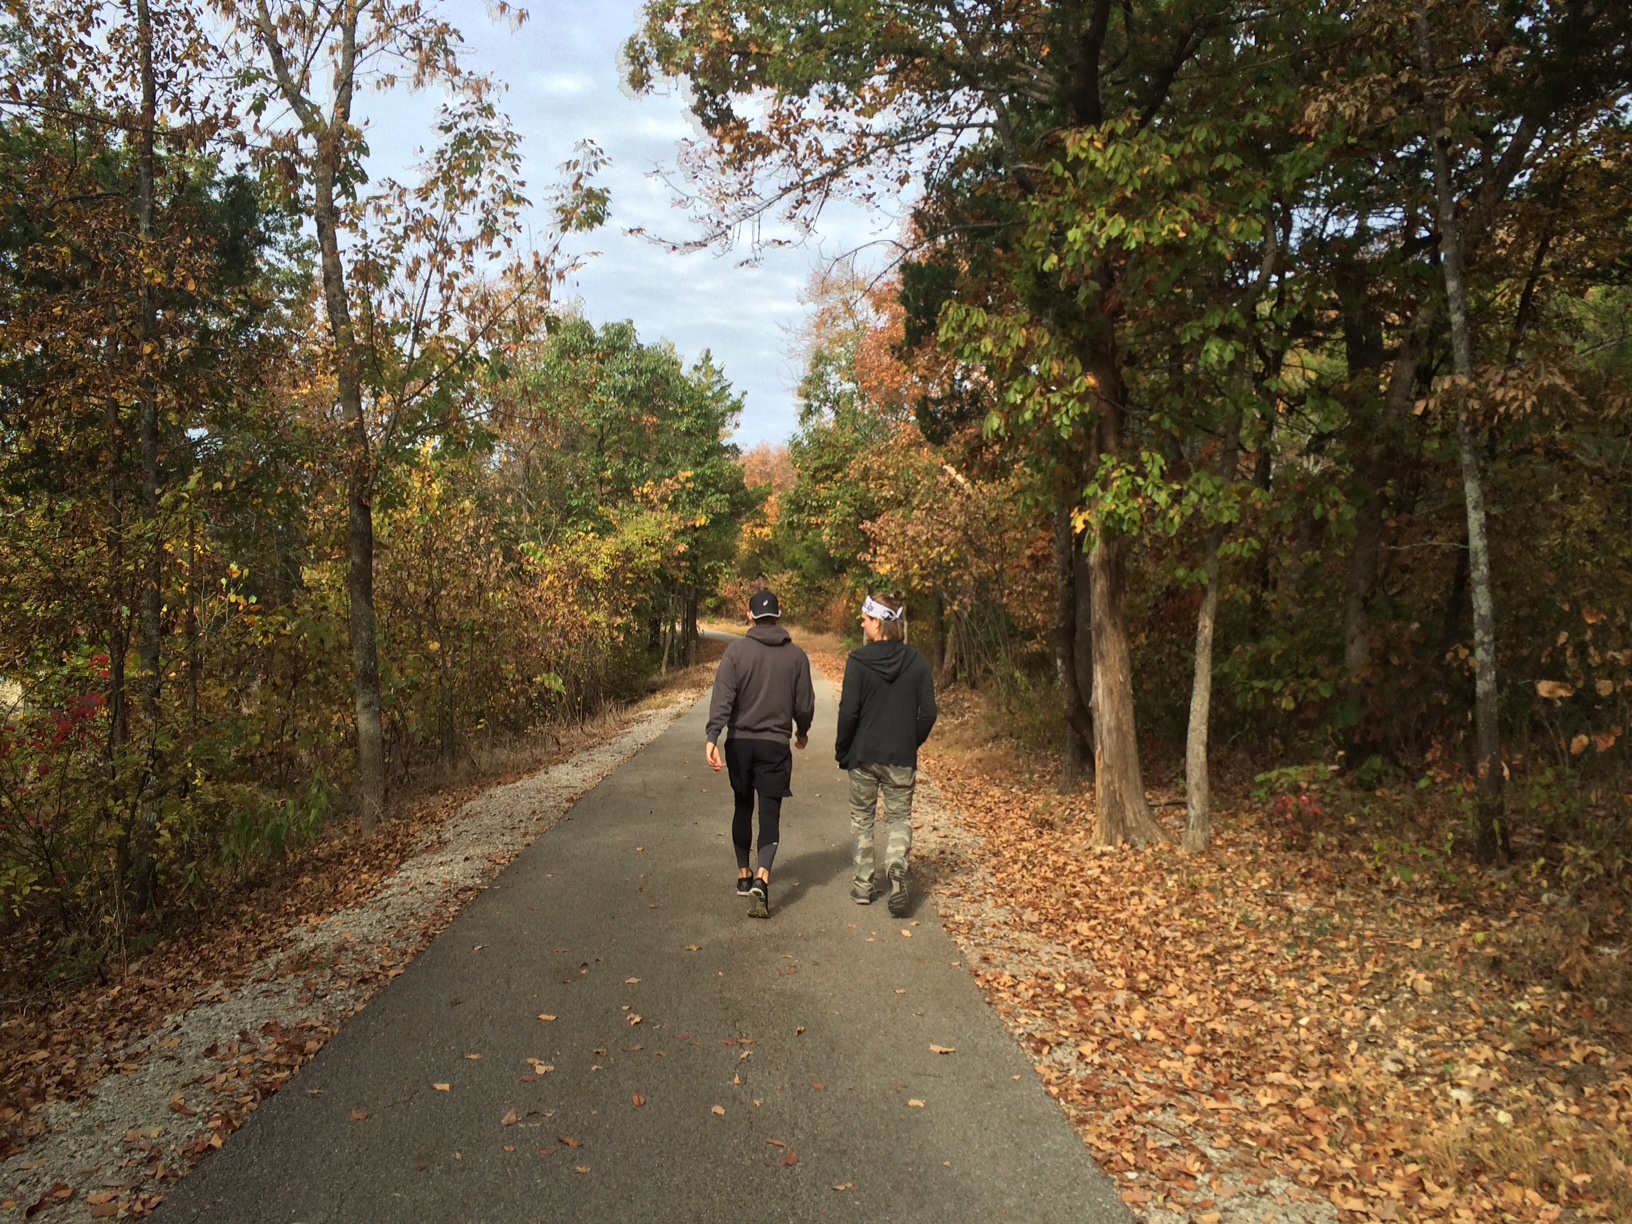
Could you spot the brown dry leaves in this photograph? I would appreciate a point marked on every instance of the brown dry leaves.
(1257, 1021)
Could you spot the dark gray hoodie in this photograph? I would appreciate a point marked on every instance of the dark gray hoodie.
(762, 690)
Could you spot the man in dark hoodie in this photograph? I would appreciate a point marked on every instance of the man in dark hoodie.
(762, 692)
(885, 714)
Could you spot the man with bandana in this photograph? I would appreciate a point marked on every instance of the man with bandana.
(886, 712)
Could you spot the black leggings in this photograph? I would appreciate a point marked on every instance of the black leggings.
(765, 768)
(770, 827)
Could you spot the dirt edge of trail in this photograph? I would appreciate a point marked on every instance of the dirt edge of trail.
(172, 1093)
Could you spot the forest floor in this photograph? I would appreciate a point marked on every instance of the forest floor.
(111, 1090)
(1286, 1027)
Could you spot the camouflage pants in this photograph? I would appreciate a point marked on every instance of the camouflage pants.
(896, 782)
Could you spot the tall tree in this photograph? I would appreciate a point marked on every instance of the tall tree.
(873, 94)
(401, 269)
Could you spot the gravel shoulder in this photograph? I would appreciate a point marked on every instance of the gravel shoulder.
(174, 1094)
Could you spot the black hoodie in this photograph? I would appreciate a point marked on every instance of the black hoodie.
(887, 708)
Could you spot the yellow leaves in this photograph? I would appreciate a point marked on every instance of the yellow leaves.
(1555, 690)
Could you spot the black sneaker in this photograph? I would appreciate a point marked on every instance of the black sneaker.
(743, 884)
(898, 889)
(759, 895)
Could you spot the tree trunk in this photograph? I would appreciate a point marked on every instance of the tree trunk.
(691, 624)
(1368, 539)
(1121, 812)
(1074, 731)
(118, 621)
(1456, 601)
(1376, 472)
(1082, 650)
(1198, 823)
(938, 640)
(145, 818)
(1491, 820)
(365, 659)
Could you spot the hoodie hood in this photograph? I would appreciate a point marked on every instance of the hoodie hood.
(770, 635)
(887, 659)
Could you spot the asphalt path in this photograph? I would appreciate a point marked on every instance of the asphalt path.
(691, 1064)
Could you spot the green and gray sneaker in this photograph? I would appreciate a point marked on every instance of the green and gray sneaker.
(759, 895)
(898, 889)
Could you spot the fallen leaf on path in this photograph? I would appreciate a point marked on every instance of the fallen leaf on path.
(800, 1031)
(631, 981)
(478, 947)
(788, 1161)
(572, 1143)
(545, 1017)
(509, 1147)
(581, 1169)
(776, 1143)
(719, 1109)
(474, 1057)
(539, 1066)
(906, 934)
(900, 992)
(633, 1020)
(818, 1085)
(940, 1049)
(637, 1100)
(443, 1087)
(359, 1115)
(548, 1151)
(916, 1103)
(509, 1119)
(694, 947)
(845, 1186)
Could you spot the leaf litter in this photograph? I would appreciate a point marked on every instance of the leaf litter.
(1264, 1034)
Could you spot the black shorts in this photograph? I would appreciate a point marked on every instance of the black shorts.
(760, 766)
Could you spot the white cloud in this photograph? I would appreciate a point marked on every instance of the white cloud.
(562, 69)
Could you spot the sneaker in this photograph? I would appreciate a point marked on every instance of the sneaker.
(743, 884)
(759, 893)
(861, 894)
(898, 889)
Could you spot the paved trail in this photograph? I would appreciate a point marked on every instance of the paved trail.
(813, 1030)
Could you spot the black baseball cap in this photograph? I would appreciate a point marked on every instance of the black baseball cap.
(764, 604)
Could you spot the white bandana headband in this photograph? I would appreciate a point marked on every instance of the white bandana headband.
(878, 611)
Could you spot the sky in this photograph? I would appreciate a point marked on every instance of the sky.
(561, 69)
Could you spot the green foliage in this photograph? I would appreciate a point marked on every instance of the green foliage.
(542, 510)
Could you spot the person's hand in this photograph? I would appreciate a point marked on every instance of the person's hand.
(712, 753)
(800, 742)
